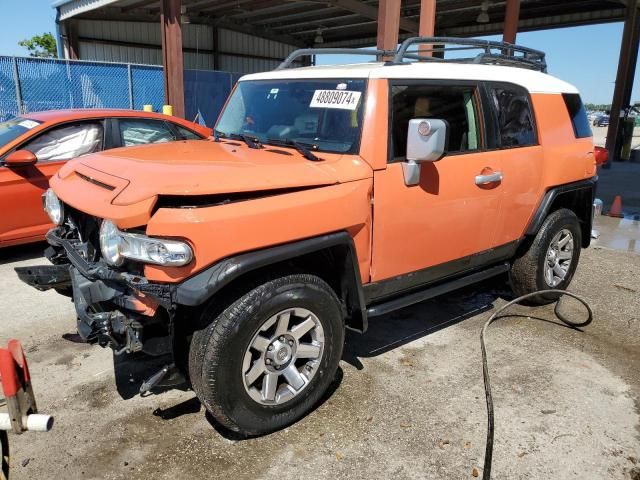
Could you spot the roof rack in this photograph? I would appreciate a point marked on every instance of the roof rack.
(310, 52)
(493, 53)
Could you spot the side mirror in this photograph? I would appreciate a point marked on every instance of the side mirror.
(427, 141)
(20, 158)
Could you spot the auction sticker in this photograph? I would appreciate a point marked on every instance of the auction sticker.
(340, 99)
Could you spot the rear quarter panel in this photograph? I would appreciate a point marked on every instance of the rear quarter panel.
(566, 158)
(559, 159)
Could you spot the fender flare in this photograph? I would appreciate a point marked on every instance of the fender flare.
(201, 287)
(583, 186)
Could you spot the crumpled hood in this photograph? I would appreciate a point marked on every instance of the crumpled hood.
(137, 175)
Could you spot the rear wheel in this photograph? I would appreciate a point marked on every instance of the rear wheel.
(552, 258)
(266, 360)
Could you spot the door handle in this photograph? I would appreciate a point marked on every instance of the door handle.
(494, 177)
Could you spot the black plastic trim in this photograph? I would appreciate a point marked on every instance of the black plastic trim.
(553, 193)
(45, 277)
(434, 291)
(407, 283)
(202, 286)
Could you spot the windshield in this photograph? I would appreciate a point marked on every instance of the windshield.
(12, 129)
(325, 115)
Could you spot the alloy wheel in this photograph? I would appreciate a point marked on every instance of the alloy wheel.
(558, 258)
(283, 356)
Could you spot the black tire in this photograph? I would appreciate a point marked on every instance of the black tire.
(527, 271)
(217, 352)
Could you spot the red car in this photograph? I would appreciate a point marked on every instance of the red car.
(34, 146)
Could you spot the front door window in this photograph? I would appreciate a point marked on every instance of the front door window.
(67, 142)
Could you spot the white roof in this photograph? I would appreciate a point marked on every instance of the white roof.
(533, 81)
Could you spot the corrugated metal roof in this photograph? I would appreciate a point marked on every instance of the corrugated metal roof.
(71, 8)
(351, 22)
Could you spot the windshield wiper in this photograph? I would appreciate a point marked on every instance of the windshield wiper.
(302, 148)
(250, 141)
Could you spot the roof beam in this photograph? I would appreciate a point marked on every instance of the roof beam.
(367, 11)
(307, 12)
(321, 23)
(541, 23)
(273, 9)
(136, 5)
(257, 32)
(335, 27)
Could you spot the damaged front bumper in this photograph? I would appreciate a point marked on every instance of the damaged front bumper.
(116, 309)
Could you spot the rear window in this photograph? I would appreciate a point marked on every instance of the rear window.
(578, 115)
(515, 118)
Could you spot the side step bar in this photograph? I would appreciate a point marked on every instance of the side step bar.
(434, 291)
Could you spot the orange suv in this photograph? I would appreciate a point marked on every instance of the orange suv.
(332, 194)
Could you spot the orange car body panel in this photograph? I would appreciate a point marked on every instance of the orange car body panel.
(316, 208)
(250, 225)
(23, 186)
(446, 217)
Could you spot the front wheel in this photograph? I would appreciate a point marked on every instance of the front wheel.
(266, 360)
(551, 259)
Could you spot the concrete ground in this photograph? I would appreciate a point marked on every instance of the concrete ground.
(408, 401)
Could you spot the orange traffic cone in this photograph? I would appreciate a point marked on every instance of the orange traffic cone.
(616, 208)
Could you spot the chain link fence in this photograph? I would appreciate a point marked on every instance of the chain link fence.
(34, 84)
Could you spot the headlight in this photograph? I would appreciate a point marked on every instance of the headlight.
(53, 207)
(110, 243)
(116, 246)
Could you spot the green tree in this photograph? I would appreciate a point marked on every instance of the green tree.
(598, 107)
(41, 45)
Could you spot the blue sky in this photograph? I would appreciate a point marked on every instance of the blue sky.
(585, 56)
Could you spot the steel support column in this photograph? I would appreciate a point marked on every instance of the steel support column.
(69, 35)
(624, 78)
(427, 23)
(172, 60)
(388, 24)
(511, 18)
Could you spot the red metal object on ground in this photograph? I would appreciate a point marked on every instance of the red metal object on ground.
(16, 385)
(21, 403)
(13, 368)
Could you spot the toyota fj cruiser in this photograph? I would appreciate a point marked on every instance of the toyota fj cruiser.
(331, 194)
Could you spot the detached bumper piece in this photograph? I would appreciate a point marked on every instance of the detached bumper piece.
(45, 277)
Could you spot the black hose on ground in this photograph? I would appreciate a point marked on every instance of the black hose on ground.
(486, 474)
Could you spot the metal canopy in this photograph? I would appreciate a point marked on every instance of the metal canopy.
(348, 22)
